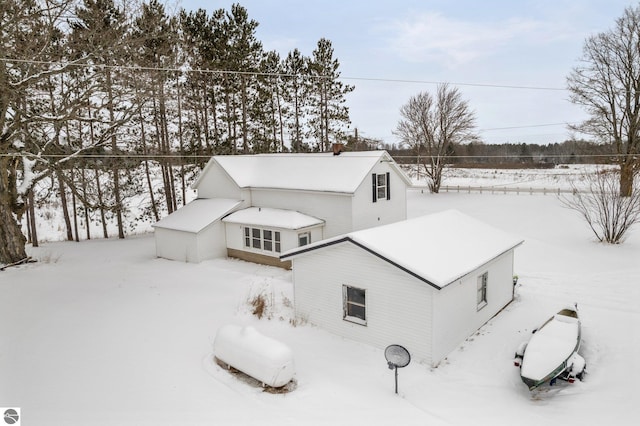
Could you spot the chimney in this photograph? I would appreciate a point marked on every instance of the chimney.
(337, 148)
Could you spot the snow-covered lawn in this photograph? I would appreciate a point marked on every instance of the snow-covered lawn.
(103, 333)
(560, 177)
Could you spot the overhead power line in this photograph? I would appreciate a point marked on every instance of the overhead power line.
(270, 74)
(192, 156)
(525, 126)
(488, 85)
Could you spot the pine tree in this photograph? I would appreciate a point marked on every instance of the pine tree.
(243, 54)
(295, 93)
(99, 31)
(267, 133)
(155, 36)
(329, 114)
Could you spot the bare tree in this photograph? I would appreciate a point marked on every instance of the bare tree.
(607, 85)
(432, 126)
(608, 213)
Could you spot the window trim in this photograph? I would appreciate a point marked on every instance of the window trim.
(376, 186)
(306, 234)
(346, 302)
(254, 236)
(482, 285)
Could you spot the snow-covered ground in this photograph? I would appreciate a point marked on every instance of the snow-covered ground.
(103, 333)
(560, 177)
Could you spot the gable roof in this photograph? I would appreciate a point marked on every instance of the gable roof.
(302, 171)
(197, 215)
(276, 218)
(438, 249)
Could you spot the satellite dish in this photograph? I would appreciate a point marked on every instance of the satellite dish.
(397, 357)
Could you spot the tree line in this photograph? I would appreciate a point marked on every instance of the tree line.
(102, 99)
(518, 155)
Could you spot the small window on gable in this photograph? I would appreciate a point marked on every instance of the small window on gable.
(354, 304)
(482, 290)
(380, 186)
(304, 238)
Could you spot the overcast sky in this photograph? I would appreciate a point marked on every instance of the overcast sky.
(392, 50)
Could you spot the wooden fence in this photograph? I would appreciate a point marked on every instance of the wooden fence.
(498, 189)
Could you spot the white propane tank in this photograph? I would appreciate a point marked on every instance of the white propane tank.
(263, 358)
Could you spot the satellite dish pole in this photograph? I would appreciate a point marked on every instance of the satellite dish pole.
(397, 357)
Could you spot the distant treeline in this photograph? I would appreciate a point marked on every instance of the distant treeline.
(509, 155)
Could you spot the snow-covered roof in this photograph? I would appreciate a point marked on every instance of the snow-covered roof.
(275, 218)
(198, 214)
(438, 248)
(302, 171)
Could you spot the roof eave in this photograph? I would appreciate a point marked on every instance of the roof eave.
(303, 250)
(513, 247)
(414, 274)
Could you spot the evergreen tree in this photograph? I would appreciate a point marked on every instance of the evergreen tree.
(99, 31)
(155, 38)
(267, 132)
(329, 114)
(242, 59)
(295, 92)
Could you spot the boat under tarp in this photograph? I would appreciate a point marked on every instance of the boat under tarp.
(553, 350)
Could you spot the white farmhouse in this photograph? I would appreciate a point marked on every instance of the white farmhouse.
(255, 207)
(425, 283)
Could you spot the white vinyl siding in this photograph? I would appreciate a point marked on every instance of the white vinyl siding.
(367, 214)
(398, 306)
(400, 309)
(334, 209)
(456, 313)
(191, 247)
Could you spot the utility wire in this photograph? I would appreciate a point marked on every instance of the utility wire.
(524, 126)
(272, 74)
(192, 156)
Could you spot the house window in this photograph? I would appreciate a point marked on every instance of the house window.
(262, 239)
(380, 186)
(256, 238)
(354, 304)
(267, 240)
(482, 290)
(247, 237)
(304, 238)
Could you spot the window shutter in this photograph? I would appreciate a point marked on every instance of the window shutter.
(388, 186)
(375, 189)
(344, 300)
